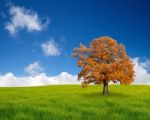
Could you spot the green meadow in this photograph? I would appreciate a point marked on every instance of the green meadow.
(71, 102)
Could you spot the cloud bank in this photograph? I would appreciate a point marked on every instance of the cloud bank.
(9, 79)
(22, 18)
(141, 71)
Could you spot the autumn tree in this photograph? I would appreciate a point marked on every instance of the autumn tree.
(105, 60)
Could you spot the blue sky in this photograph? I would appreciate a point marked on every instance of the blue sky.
(65, 24)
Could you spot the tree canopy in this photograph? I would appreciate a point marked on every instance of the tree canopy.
(105, 60)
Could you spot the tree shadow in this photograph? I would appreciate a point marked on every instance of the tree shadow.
(100, 95)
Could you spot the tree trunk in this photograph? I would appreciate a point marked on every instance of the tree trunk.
(105, 88)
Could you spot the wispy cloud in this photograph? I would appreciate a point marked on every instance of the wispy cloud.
(34, 69)
(10, 80)
(22, 18)
(50, 48)
(2, 14)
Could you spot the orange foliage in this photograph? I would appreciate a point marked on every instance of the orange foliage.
(105, 60)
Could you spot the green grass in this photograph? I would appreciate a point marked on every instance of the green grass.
(71, 102)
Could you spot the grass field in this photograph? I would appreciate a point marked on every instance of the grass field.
(71, 102)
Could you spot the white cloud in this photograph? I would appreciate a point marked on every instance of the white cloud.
(10, 80)
(50, 48)
(146, 64)
(141, 72)
(22, 18)
(34, 69)
(38, 79)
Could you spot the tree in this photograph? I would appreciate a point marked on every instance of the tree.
(105, 60)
